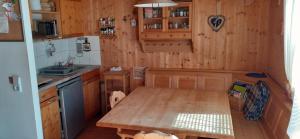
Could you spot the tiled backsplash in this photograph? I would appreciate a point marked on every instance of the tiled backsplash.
(64, 49)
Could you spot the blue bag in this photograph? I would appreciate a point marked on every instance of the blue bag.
(256, 101)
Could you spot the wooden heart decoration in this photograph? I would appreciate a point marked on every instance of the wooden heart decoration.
(216, 22)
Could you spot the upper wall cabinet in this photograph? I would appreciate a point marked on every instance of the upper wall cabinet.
(57, 19)
(166, 29)
(71, 18)
(46, 20)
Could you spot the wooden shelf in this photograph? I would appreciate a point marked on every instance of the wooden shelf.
(107, 26)
(41, 37)
(153, 30)
(166, 39)
(179, 17)
(108, 36)
(150, 46)
(179, 30)
(44, 12)
(158, 18)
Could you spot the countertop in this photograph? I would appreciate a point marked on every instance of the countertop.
(56, 80)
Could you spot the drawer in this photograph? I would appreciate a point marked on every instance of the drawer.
(47, 94)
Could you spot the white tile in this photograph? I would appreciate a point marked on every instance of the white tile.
(64, 56)
(77, 57)
(60, 45)
(52, 60)
(76, 61)
(85, 59)
(72, 53)
(95, 58)
(95, 42)
(72, 44)
(41, 62)
(40, 48)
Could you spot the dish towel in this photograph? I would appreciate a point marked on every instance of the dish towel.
(116, 97)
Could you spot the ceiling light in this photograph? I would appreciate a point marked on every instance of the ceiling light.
(155, 3)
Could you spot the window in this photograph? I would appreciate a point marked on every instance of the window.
(292, 58)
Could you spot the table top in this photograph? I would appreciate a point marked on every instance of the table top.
(175, 111)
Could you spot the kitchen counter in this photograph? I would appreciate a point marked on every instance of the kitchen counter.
(56, 80)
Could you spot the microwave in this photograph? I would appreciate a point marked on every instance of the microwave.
(47, 28)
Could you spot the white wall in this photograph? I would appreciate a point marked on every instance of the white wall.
(16, 111)
(20, 116)
(64, 49)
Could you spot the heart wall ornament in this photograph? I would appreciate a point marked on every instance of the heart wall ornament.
(216, 22)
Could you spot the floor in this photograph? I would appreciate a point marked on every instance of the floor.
(93, 132)
(243, 129)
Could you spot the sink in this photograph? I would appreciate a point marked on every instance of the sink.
(60, 70)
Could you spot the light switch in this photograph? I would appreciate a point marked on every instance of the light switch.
(16, 83)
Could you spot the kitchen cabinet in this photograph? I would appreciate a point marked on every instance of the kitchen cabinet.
(50, 114)
(91, 93)
(47, 15)
(71, 18)
(167, 29)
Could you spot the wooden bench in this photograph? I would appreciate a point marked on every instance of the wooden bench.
(277, 112)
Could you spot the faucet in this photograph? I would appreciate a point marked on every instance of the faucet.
(70, 61)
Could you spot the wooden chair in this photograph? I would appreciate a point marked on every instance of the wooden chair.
(154, 135)
(115, 98)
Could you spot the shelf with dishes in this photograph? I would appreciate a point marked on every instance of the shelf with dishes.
(46, 20)
(164, 24)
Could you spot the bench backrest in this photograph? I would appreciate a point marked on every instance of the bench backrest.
(188, 79)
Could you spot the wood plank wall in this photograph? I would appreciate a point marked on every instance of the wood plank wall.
(240, 45)
(276, 43)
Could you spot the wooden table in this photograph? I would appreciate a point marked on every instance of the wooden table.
(180, 112)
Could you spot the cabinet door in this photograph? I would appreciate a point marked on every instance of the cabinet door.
(51, 119)
(71, 18)
(91, 90)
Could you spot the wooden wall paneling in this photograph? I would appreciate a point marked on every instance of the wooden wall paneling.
(276, 44)
(205, 40)
(15, 28)
(264, 35)
(239, 45)
(242, 44)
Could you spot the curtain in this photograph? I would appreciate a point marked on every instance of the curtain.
(292, 61)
